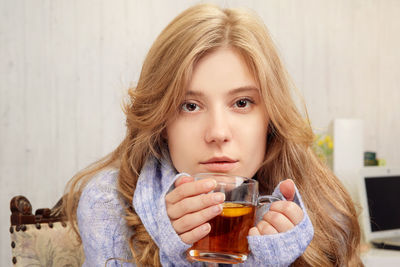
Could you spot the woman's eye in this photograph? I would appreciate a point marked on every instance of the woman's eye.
(243, 103)
(189, 107)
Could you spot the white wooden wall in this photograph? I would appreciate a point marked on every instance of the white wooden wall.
(65, 66)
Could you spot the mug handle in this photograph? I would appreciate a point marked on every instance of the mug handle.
(267, 199)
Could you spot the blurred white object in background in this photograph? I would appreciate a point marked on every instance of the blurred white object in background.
(348, 159)
(348, 138)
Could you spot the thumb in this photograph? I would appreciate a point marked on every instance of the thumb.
(287, 189)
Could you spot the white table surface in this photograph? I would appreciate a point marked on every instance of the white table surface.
(375, 257)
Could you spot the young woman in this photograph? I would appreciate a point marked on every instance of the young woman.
(213, 96)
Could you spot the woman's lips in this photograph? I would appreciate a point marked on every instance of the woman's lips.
(219, 165)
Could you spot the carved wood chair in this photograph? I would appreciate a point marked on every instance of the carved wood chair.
(43, 238)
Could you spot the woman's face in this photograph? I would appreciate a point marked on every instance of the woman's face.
(222, 124)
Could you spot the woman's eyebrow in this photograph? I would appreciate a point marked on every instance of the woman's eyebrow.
(244, 89)
(194, 93)
(241, 89)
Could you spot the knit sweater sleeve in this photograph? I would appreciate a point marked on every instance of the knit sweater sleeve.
(101, 223)
(282, 249)
(155, 218)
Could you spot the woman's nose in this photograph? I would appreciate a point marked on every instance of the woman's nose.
(217, 127)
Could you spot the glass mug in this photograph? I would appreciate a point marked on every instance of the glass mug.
(227, 240)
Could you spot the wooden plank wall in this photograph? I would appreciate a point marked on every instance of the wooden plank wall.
(65, 66)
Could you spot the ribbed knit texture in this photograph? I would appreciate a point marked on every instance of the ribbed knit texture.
(105, 235)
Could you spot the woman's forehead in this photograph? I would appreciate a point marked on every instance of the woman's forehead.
(222, 68)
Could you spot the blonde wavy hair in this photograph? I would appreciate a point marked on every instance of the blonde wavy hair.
(159, 92)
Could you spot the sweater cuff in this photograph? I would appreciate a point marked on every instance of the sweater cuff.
(282, 249)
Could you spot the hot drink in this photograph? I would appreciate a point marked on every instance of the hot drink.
(227, 241)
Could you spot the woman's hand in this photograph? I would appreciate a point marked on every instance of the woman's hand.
(282, 215)
(190, 208)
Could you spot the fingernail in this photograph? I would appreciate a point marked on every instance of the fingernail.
(217, 208)
(205, 227)
(209, 184)
(186, 179)
(219, 197)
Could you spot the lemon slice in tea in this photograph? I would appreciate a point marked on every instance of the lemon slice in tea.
(235, 209)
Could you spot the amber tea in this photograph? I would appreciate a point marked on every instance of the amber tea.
(228, 235)
(227, 240)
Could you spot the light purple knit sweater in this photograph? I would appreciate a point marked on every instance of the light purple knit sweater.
(105, 235)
